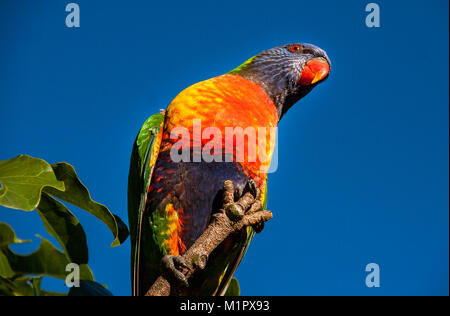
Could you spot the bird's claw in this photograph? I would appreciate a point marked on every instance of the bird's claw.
(238, 203)
(172, 267)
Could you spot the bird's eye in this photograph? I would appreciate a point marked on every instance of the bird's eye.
(295, 48)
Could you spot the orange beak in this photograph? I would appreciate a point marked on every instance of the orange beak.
(314, 71)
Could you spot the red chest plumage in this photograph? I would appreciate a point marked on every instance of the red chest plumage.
(227, 102)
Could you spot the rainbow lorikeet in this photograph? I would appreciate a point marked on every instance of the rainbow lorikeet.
(171, 201)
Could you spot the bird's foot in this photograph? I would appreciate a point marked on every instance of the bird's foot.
(238, 203)
(173, 268)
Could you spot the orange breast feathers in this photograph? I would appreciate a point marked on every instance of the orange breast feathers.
(225, 115)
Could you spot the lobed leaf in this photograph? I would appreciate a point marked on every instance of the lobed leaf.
(23, 179)
(21, 275)
(47, 260)
(77, 194)
(8, 236)
(5, 268)
(65, 227)
(24, 286)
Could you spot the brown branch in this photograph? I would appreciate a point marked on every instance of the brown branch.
(222, 226)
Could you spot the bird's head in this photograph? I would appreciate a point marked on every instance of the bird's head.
(287, 73)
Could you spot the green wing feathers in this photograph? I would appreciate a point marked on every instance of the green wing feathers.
(143, 157)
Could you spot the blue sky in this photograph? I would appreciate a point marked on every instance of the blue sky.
(363, 160)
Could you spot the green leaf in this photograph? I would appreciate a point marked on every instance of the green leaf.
(50, 293)
(36, 285)
(89, 288)
(47, 260)
(76, 193)
(23, 179)
(65, 227)
(15, 270)
(24, 286)
(16, 287)
(8, 236)
(233, 288)
(5, 268)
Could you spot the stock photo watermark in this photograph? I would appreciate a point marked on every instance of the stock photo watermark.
(73, 18)
(73, 278)
(373, 18)
(255, 145)
(373, 278)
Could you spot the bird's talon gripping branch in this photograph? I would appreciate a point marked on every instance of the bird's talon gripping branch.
(247, 202)
(253, 188)
(257, 206)
(172, 267)
(219, 229)
(234, 212)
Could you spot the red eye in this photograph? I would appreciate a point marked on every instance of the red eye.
(295, 48)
